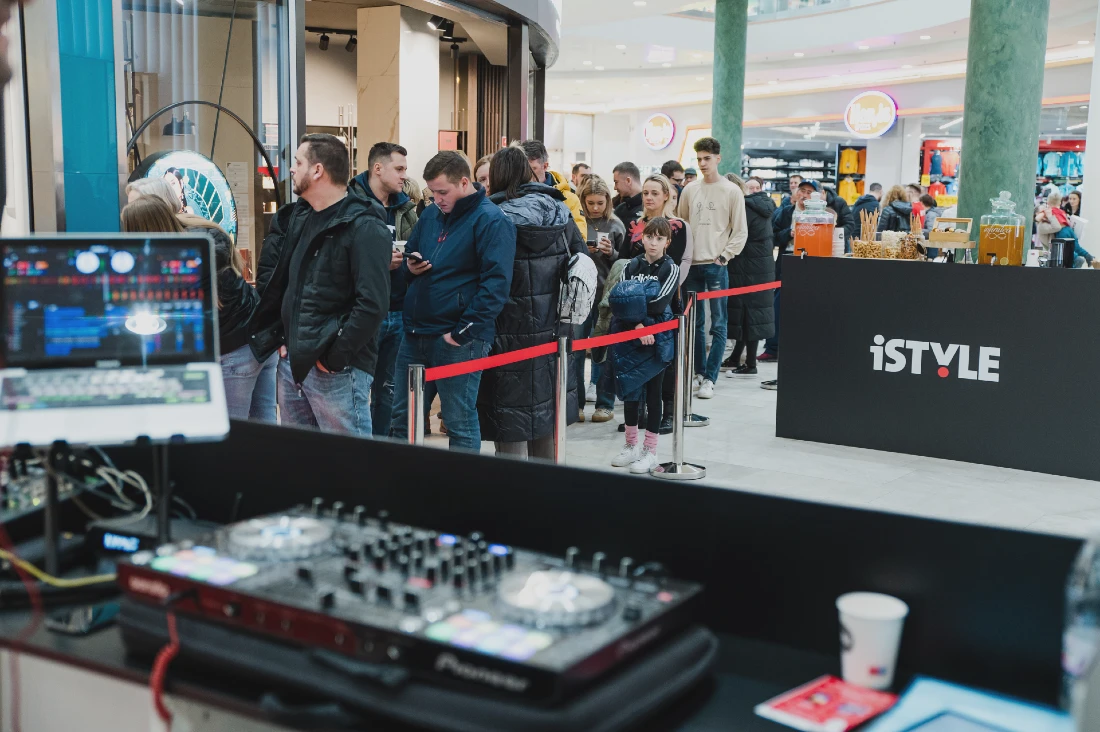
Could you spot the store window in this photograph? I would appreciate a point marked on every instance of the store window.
(180, 60)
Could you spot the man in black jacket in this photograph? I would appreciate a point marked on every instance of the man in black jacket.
(628, 184)
(867, 202)
(324, 287)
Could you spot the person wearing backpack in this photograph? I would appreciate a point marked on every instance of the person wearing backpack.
(515, 403)
(644, 297)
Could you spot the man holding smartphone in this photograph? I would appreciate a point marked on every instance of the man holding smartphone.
(384, 182)
(459, 260)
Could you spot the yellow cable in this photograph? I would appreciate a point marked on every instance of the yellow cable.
(51, 580)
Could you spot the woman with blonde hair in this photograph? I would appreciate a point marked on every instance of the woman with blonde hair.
(157, 187)
(249, 384)
(896, 210)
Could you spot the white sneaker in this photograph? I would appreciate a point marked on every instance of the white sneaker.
(629, 455)
(590, 393)
(645, 463)
(706, 391)
(696, 382)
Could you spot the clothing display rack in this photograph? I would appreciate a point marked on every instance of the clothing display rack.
(851, 166)
(775, 166)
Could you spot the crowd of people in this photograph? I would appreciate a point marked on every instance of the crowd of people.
(360, 278)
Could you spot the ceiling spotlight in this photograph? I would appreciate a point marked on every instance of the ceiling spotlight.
(352, 42)
(950, 124)
(926, 38)
(621, 47)
(1084, 106)
(799, 54)
(586, 63)
(447, 29)
(323, 45)
(434, 22)
(1082, 43)
(863, 48)
(599, 68)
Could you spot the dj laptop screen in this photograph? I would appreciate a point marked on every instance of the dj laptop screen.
(82, 302)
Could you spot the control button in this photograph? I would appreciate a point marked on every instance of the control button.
(379, 560)
(621, 582)
(351, 552)
(360, 515)
(459, 578)
(445, 569)
(384, 520)
(571, 557)
(433, 541)
(317, 503)
(357, 586)
(403, 565)
(394, 548)
(431, 572)
(625, 564)
(412, 600)
(305, 574)
(475, 537)
(486, 564)
(665, 596)
(419, 583)
(647, 587)
(597, 561)
(383, 593)
(328, 599)
(338, 510)
(416, 558)
(350, 569)
(632, 613)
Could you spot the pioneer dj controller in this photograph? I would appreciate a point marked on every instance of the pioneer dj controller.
(449, 608)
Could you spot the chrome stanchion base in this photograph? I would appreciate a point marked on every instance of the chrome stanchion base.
(684, 471)
(696, 420)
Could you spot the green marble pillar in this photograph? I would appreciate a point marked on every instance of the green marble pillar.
(731, 26)
(1004, 91)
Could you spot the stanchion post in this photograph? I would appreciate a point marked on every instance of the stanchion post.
(561, 401)
(678, 469)
(416, 404)
(687, 355)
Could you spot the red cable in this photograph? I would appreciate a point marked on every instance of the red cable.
(160, 669)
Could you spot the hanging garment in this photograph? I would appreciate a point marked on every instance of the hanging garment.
(951, 161)
(849, 161)
(936, 166)
(937, 189)
(846, 189)
(862, 161)
(1052, 164)
(1073, 165)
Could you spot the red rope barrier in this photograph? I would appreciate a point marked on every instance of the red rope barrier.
(738, 291)
(503, 359)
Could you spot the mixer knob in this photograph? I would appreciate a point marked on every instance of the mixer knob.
(486, 565)
(328, 599)
(305, 574)
(379, 560)
(367, 549)
(350, 569)
(360, 515)
(351, 552)
(430, 542)
(384, 520)
(625, 565)
(408, 543)
(431, 572)
(444, 569)
(498, 563)
(317, 503)
(417, 560)
(412, 600)
(571, 557)
(509, 557)
(632, 613)
(383, 593)
(597, 561)
(357, 586)
(338, 510)
(394, 549)
(403, 565)
(475, 537)
(459, 578)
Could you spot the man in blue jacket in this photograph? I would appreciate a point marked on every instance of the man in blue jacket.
(459, 260)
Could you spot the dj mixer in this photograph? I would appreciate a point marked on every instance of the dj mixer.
(450, 609)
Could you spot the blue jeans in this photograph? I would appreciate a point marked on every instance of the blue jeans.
(249, 385)
(390, 337)
(583, 331)
(457, 395)
(708, 278)
(605, 387)
(337, 402)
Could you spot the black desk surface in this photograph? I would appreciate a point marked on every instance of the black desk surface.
(747, 673)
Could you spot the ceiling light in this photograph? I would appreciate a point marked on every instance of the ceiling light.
(621, 47)
(580, 81)
(667, 65)
(434, 22)
(1059, 129)
(907, 66)
(352, 42)
(799, 54)
(1084, 106)
(1082, 43)
(926, 38)
(773, 82)
(700, 78)
(1077, 127)
(952, 123)
(586, 63)
(599, 68)
(323, 45)
(863, 48)
(639, 3)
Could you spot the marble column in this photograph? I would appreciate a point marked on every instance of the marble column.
(731, 26)
(398, 83)
(1004, 91)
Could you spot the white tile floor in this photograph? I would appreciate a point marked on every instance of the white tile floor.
(740, 450)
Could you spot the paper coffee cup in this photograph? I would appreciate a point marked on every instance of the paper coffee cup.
(400, 246)
(870, 633)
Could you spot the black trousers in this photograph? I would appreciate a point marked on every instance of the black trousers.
(652, 405)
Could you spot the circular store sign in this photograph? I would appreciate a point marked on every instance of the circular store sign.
(202, 184)
(871, 114)
(658, 131)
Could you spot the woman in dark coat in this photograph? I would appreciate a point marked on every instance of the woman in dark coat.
(515, 403)
(751, 316)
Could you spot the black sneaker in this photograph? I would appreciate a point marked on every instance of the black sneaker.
(730, 363)
(772, 385)
(622, 427)
(743, 371)
(666, 426)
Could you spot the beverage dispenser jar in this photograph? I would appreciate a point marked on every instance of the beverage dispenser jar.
(1001, 235)
(813, 228)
